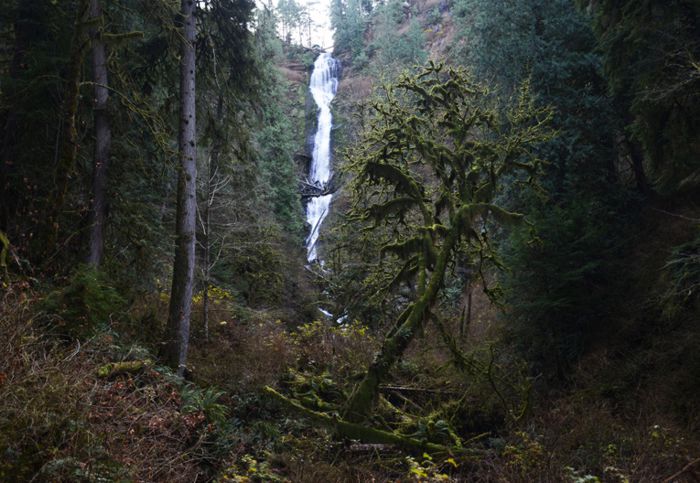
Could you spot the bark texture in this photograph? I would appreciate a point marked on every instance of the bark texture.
(103, 139)
(183, 272)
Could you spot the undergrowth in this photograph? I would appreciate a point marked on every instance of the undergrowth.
(82, 401)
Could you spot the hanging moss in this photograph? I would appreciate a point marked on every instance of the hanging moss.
(407, 168)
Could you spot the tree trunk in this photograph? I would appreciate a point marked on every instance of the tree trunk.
(640, 177)
(207, 255)
(466, 318)
(205, 304)
(364, 395)
(103, 138)
(69, 138)
(212, 169)
(183, 271)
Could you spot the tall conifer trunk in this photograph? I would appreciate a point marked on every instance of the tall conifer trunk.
(69, 138)
(183, 272)
(103, 138)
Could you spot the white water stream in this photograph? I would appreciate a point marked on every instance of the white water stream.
(323, 85)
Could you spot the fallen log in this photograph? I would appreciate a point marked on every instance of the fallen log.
(125, 367)
(442, 392)
(370, 435)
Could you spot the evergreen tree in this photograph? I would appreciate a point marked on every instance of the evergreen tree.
(649, 49)
(552, 287)
(349, 19)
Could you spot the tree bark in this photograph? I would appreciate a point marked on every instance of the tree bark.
(183, 270)
(103, 139)
(352, 430)
(466, 317)
(207, 253)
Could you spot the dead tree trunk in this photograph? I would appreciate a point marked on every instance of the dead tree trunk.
(183, 271)
(103, 139)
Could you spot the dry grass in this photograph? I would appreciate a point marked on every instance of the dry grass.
(295, 73)
(356, 86)
(60, 422)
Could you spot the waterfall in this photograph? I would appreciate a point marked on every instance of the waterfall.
(323, 85)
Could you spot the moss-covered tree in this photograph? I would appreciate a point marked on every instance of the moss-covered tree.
(430, 168)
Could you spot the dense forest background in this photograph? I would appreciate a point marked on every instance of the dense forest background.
(511, 261)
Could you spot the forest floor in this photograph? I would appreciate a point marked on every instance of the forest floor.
(97, 407)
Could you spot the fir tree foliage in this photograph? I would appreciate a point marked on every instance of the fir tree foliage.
(349, 20)
(650, 48)
(581, 226)
(399, 47)
(551, 43)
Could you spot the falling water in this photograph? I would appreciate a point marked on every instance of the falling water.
(323, 85)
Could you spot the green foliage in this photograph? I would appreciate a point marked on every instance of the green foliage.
(251, 212)
(87, 302)
(36, 43)
(280, 134)
(401, 49)
(293, 16)
(428, 171)
(552, 44)
(250, 469)
(440, 122)
(398, 42)
(525, 455)
(562, 285)
(683, 272)
(426, 469)
(349, 21)
(195, 399)
(650, 47)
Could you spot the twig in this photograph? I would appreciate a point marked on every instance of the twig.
(676, 215)
(685, 469)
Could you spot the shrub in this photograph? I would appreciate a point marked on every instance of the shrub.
(683, 271)
(85, 303)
